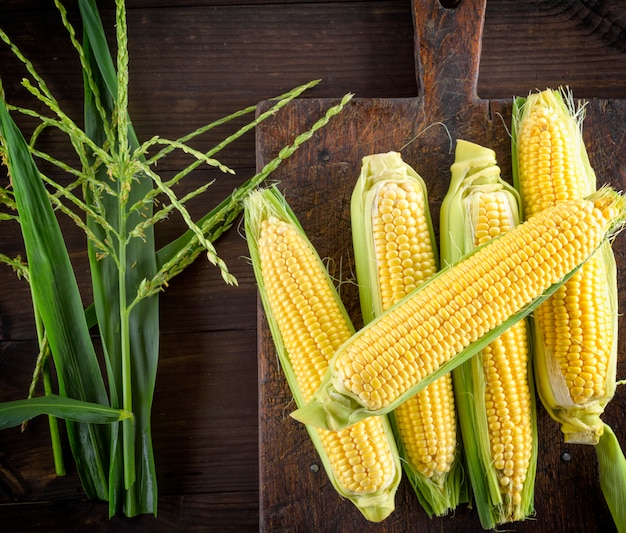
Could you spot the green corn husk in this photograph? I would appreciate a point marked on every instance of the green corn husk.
(260, 205)
(580, 423)
(442, 492)
(334, 406)
(612, 469)
(475, 173)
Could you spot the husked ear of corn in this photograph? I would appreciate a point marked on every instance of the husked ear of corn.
(575, 331)
(395, 251)
(308, 323)
(494, 389)
(460, 310)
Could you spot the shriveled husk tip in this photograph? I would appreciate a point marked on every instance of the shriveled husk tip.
(475, 173)
(258, 206)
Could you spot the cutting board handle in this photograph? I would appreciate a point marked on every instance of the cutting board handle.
(448, 42)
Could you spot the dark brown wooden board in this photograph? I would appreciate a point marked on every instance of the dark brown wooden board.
(295, 495)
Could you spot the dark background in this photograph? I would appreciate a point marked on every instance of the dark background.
(191, 62)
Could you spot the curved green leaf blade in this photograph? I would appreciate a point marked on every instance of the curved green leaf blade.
(14, 413)
(58, 301)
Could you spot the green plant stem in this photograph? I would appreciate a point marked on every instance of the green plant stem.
(53, 423)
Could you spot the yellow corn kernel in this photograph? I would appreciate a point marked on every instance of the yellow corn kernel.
(470, 283)
(549, 169)
(573, 230)
(305, 308)
(493, 389)
(395, 252)
(575, 326)
(405, 258)
(505, 369)
(310, 324)
(404, 250)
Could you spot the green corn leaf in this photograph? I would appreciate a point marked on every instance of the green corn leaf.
(17, 412)
(612, 469)
(130, 336)
(57, 300)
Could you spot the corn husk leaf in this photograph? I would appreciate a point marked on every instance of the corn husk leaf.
(612, 469)
(473, 173)
(258, 206)
(441, 494)
(17, 412)
(580, 423)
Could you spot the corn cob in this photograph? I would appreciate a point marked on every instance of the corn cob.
(395, 251)
(308, 323)
(575, 331)
(494, 394)
(460, 310)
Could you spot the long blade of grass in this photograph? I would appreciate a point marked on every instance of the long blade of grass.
(17, 412)
(57, 299)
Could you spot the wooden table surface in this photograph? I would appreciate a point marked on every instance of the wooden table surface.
(191, 62)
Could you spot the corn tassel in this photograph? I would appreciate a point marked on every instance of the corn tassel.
(460, 310)
(395, 251)
(494, 394)
(308, 323)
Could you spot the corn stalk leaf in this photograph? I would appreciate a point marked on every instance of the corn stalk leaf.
(130, 336)
(58, 302)
(17, 412)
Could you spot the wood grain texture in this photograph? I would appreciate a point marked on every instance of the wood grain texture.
(191, 62)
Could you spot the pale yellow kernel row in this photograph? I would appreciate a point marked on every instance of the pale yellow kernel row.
(405, 259)
(549, 172)
(466, 302)
(505, 368)
(313, 327)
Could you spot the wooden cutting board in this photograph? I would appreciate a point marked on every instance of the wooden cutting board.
(295, 494)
